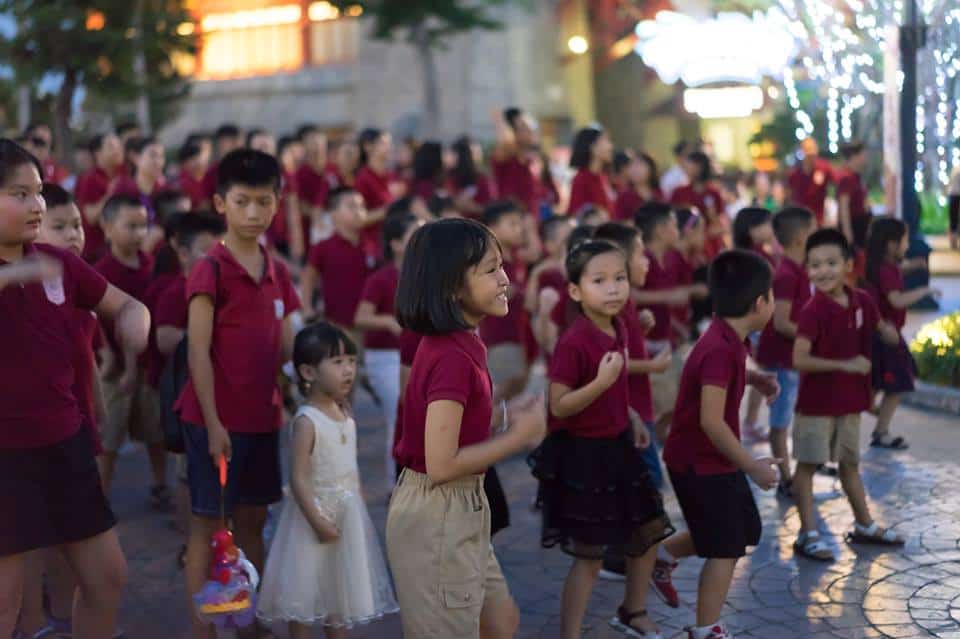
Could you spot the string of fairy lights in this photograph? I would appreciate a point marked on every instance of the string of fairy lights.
(845, 42)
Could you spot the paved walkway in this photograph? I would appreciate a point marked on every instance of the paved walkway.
(912, 592)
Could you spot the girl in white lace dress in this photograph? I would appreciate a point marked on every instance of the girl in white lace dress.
(325, 566)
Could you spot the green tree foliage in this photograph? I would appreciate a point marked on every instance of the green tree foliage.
(94, 44)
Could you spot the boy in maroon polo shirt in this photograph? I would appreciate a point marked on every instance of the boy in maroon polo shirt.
(807, 182)
(835, 333)
(132, 406)
(47, 467)
(504, 336)
(239, 332)
(313, 189)
(661, 292)
(853, 214)
(708, 465)
(339, 263)
(791, 290)
(93, 189)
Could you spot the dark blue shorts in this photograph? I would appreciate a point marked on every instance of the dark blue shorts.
(253, 474)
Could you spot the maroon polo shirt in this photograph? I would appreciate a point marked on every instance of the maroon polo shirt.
(590, 188)
(85, 367)
(840, 333)
(210, 180)
(809, 190)
(91, 188)
(515, 181)
(193, 188)
(170, 309)
(851, 184)
(312, 187)
(641, 395)
(481, 191)
(132, 281)
(719, 358)
(554, 278)
(247, 342)
(343, 268)
(38, 339)
(450, 367)
(509, 328)
(375, 189)
(279, 232)
(682, 268)
(660, 277)
(790, 284)
(380, 290)
(574, 364)
(629, 201)
(889, 279)
(708, 201)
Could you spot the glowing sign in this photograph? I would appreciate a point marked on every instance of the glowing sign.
(723, 102)
(732, 47)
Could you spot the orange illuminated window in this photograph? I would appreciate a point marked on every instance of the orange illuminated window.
(251, 42)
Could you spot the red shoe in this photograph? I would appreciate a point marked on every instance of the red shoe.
(719, 631)
(663, 582)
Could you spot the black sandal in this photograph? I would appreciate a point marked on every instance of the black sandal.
(888, 442)
(622, 621)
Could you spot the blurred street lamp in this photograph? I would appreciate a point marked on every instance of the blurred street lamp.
(578, 45)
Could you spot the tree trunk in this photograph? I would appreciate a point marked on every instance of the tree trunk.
(63, 111)
(140, 69)
(431, 98)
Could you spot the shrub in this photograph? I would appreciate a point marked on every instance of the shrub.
(936, 349)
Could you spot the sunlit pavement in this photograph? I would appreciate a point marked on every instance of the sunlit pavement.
(868, 592)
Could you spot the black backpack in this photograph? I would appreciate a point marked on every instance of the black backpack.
(173, 379)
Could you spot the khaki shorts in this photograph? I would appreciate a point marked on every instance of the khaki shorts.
(438, 544)
(506, 362)
(135, 414)
(664, 386)
(817, 440)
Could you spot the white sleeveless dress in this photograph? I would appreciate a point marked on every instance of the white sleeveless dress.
(338, 584)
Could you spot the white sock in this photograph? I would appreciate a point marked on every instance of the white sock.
(664, 555)
(702, 632)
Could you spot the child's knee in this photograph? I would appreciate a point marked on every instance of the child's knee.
(848, 468)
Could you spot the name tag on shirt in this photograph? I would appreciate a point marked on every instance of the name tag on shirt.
(859, 318)
(278, 308)
(54, 291)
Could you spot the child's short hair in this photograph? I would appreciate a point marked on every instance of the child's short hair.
(394, 228)
(437, 204)
(226, 130)
(137, 145)
(495, 211)
(828, 237)
(552, 225)
(336, 196)
(587, 211)
(95, 143)
(511, 115)
(306, 130)
(247, 167)
(317, 342)
(580, 234)
(791, 221)
(284, 143)
(649, 216)
(185, 228)
(253, 133)
(12, 157)
(435, 268)
(112, 207)
(620, 234)
(736, 279)
(621, 159)
(687, 219)
(189, 150)
(124, 127)
(55, 195)
(851, 149)
(165, 203)
(400, 205)
(580, 256)
(748, 218)
(583, 143)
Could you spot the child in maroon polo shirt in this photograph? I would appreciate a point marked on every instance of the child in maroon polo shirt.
(239, 332)
(313, 188)
(549, 274)
(439, 521)
(774, 353)
(835, 334)
(708, 465)
(338, 264)
(132, 405)
(596, 489)
(853, 212)
(47, 465)
(376, 317)
(93, 189)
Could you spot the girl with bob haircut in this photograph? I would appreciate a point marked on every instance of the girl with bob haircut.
(592, 153)
(438, 527)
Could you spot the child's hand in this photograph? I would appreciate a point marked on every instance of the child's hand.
(35, 268)
(699, 291)
(763, 472)
(219, 442)
(527, 418)
(327, 533)
(766, 384)
(547, 301)
(647, 320)
(859, 365)
(935, 293)
(661, 362)
(610, 367)
(641, 436)
(395, 328)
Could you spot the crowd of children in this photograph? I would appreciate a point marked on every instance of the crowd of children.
(437, 286)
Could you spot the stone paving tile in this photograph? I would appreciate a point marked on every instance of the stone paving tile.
(866, 593)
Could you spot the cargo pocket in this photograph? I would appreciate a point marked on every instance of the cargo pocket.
(462, 604)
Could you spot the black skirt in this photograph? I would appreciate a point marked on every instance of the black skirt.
(894, 370)
(596, 493)
(51, 496)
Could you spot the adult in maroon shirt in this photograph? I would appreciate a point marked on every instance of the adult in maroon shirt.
(93, 189)
(194, 160)
(853, 214)
(313, 188)
(518, 144)
(376, 184)
(470, 187)
(807, 182)
(640, 183)
(592, 152)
